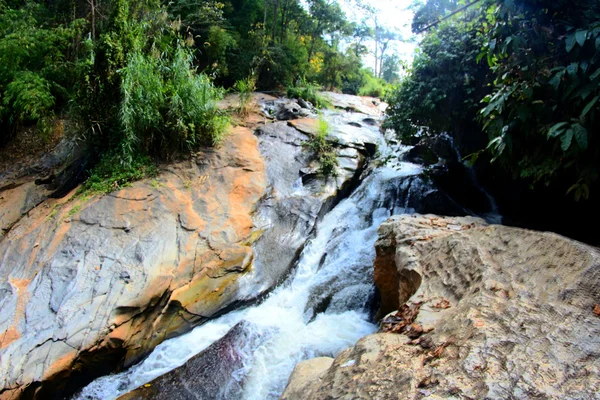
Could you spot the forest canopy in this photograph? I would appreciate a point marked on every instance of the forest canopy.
(516, 81)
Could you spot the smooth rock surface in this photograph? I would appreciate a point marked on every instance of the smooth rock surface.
(502, 313)
(89, 287)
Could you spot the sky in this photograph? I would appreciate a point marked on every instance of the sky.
(394, 14)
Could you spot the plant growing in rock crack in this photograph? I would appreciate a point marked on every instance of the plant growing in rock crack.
(323, 148)
(308, 92)
(245, 88)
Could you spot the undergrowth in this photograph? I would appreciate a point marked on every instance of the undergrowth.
(111, 174)
(309, 92)
(245, 89)
(323, 148)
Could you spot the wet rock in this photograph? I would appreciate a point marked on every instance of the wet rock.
(431, 150)
(502, 313)
(207, 375)
(450, 174)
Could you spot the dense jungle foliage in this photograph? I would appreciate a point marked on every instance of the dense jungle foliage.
(140, 80)
(517, 82)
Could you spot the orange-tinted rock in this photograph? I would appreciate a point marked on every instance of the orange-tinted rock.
(93, 286)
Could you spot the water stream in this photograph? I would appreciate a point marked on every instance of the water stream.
(320, 310)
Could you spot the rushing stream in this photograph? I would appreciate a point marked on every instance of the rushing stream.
(320, 310)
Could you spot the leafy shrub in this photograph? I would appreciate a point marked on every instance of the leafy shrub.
(112, 174)
(29, 96)
(167, 107)
(372, 86)
(323, 149)
(309, 92)
(543, 115)
(36, 66)
(245, 89)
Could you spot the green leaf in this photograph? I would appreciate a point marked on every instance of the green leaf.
(589, 107)
(566, 139)
(595, 74)
(581, 136)
(572, 69)
(557, 129)
(555, 81)
(570, 42)
(598, 42)
(580, 36)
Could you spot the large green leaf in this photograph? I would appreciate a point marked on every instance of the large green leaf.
(570, 42)
(572, 69)
(566, 139)
(580, 37)
(581, 136)
(556, 79)
(589, 106)
(595, 74)
(557, 129)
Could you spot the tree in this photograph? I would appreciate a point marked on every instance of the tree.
(391, 68)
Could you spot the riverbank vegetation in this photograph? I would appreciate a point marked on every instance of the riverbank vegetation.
(520, 78)
(140, 80)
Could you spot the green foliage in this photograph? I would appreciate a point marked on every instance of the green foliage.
(309, 92)
(112, 174)
(245, 89)
(167, 107)
(218, 43)
(543, 113)
(323, 149)
(36, 66)
(539, 59)
(372, 86)
(29, 96)
(445, 84)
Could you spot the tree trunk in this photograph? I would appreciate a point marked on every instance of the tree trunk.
(275, 9)
(93, 12)
(312, 40)
(284, 11)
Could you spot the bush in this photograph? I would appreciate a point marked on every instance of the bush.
(111, 174)
(29, 96)
(308, 92)
(372, 86)
(245, 88)
(167, 107)
(323, 148)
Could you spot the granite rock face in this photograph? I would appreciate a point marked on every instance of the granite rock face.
(482, 312)
(91, 286)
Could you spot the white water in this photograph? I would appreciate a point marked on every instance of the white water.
(283, 329)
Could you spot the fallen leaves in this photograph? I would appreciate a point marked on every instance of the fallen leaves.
(402, 320)
(597, 310)
(442, 304)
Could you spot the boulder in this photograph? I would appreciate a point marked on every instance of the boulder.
(207, 375)
(477, 311)
(287, 109)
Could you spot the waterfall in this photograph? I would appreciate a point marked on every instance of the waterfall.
(321, 309)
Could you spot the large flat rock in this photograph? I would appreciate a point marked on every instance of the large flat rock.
(484, 312)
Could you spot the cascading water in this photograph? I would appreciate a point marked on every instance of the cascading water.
(320, 310)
